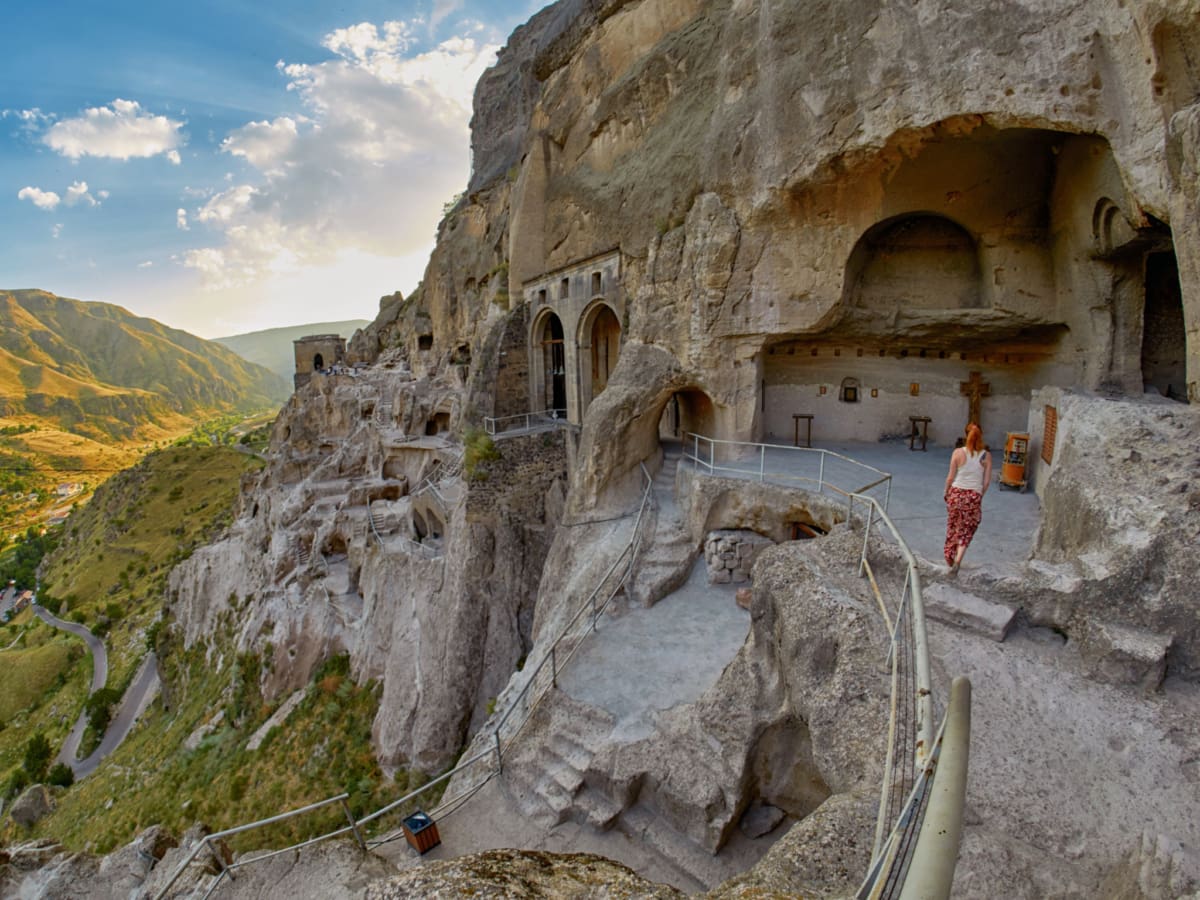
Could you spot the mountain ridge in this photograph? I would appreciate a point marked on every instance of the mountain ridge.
(96, 368)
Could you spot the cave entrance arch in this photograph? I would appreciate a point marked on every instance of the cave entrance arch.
(689, 411)
(1164, 338)
(600, 346)
(915, 261)
(318, 362)
(549, 335)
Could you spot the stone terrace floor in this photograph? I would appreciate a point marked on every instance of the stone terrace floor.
(1010, 518)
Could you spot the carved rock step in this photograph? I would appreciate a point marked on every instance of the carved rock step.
(951, 606)
(664, 561)
(698, 869)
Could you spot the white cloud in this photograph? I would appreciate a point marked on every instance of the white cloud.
(145, 265)
(181, 220)
(46, 200)
(262, 144)
(442, 9)
(121, 130)
(103, 195)
(78, 193)
(56, 230)
(382, 144)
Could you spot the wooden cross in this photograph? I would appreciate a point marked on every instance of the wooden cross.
(974, 389)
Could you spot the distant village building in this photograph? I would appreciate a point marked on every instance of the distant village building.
(69, 488)
(317, 353)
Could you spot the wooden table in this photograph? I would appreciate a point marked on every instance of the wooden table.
(796, 417)
(922, 432)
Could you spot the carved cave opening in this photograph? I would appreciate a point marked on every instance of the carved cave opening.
(1164, 338)
(318, 362)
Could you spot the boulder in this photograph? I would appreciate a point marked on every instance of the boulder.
(34, 804)
(1119, 654)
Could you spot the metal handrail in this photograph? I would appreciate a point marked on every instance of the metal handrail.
(628, 554)
(762, 473)
(543, 418)
(904, 857)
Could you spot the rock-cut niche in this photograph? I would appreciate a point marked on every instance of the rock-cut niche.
(919, 261)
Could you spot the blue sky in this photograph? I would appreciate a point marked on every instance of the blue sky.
(224, 165)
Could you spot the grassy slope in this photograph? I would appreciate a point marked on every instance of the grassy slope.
(117, 551)
(53, 710)
(131, 519)
(27, 674)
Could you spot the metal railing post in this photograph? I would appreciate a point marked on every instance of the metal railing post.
(221, 867)
(821, 475)
(353, 824)
(762, 461)
(866, 535)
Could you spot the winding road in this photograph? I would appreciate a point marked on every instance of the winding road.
(131, 706)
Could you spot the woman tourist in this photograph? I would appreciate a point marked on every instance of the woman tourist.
(966, 483)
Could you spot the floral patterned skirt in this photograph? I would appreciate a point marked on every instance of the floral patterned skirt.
(964, 510)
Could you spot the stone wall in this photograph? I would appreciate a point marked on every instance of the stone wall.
(730, 554)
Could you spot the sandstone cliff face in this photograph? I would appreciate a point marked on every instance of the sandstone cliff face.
(336, 550)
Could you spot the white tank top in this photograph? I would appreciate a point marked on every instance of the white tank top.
(970, 473)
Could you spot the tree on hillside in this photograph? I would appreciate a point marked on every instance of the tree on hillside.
(37, 757)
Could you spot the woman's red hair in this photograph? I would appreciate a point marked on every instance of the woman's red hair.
(974, 438)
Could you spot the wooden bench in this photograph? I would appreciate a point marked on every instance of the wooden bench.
(921, 432)
(796, 417)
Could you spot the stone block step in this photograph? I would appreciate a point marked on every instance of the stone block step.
(698, 869)
(947, 604)
(594, 809)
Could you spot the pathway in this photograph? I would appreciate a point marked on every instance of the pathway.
(144, 685)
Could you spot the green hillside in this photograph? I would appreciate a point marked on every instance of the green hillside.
(98, 370)
(272, 348)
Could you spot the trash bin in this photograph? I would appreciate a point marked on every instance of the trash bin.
(421, 832)
(1012, 470)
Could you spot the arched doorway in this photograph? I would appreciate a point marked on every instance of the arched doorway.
(689, 411)
(599, 347)
(318, 362)
(1164, 340)
(554, 364)
(606, 341)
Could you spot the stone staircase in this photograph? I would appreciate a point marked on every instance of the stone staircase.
(301, 552)
(667, 551)
(548, 778)
(381, 522)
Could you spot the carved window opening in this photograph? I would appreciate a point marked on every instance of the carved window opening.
(564, 289)
(425, 342)
(595, 283)
(849, 392)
